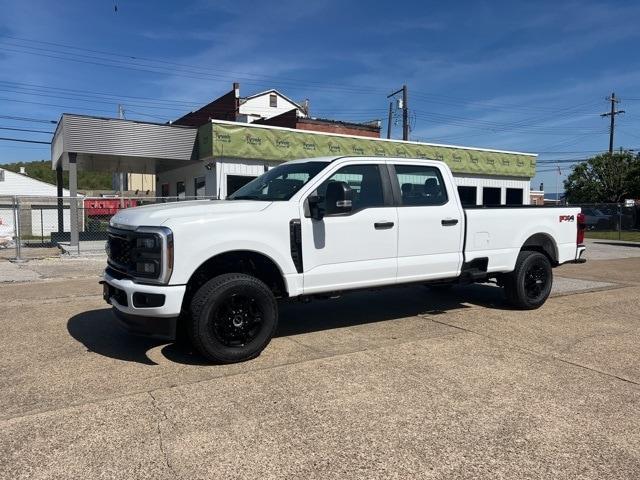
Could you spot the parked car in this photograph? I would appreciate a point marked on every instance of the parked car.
(315, 228)
(595, 219)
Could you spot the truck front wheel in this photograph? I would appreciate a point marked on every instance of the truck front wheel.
(233, 318)
(529, 285)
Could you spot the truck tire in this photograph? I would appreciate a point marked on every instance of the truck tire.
(233, 318)
(529, 285)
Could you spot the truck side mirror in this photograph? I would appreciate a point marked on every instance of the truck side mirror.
(313, 209)
(338, 198)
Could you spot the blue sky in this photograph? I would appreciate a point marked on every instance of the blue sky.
(526, 76)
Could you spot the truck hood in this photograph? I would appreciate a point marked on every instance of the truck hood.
(158, 214)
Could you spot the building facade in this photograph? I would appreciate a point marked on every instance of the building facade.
(231, 154)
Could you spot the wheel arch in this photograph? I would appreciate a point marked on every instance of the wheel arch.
(543, 243)
(250, 262)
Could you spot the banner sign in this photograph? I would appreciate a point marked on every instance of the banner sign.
(231, 141)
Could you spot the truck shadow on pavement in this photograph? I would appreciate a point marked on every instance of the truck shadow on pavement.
(100, 333)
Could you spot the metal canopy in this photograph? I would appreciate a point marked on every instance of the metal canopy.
(115, 145)
(110, 144)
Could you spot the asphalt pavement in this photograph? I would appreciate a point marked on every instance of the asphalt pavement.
(400, 383)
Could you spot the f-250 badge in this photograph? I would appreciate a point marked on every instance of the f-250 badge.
(566, 218)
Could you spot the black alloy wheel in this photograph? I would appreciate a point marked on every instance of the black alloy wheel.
(233, 318)
(535, 281)
(237, 320)
(529, 285)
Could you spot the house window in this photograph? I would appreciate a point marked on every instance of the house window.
(490, 196)
(164, 190)
(180, 192)
(273, 100)
(467, 195)
(1, 175)
(199, 186)
(514, 196)
(234, 182)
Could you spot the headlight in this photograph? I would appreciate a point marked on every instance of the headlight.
(145, 254)
(146, 243)
(147, 267)
(153, 254)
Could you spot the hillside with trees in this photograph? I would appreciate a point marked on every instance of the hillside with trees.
(41, 170)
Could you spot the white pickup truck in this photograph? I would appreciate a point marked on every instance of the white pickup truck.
(315, 228)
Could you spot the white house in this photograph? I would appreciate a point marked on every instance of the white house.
(38, 204)
(267, 104)
(12, 183)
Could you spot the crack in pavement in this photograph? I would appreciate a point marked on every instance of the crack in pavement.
(539, 354)
(163, 450)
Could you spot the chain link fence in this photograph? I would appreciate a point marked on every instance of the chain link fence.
(611, 221)
(33, 227)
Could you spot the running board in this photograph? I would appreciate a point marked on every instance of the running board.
(474, 270)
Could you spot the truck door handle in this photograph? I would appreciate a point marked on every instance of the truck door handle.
(383, 225)
(448, 222)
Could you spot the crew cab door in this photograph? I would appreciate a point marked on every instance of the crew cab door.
(357, 248)
(430, 219)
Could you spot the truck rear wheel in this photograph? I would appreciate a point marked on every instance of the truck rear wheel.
(529, 285)
(233, 318)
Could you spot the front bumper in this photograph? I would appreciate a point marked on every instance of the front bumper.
(130, 300)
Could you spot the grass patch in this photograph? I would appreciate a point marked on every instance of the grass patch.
(626, 236)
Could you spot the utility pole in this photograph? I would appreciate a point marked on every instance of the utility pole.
(120, 173)
(405, 111)
(389, 120)
(405, 114)
(612, 114)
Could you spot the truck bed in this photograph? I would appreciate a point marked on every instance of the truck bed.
(498, 233)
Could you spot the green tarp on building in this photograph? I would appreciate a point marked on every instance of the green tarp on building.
(260, 143)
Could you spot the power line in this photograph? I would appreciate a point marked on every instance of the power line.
(23, 140)
(25, 130)
(27, 119)
(30, 87)
(170, 63)
(155, 69)
(207, 71)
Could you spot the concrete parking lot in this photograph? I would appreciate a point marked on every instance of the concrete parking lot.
(401, 383)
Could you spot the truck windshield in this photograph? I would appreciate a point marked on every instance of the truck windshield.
(279, 183)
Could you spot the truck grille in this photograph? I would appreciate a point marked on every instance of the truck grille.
(119, 250)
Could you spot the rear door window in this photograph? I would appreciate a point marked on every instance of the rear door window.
(421, 185)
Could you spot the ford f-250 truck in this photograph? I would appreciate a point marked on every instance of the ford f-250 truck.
(315, 228)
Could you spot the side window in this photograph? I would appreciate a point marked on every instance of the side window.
(365, 184)
(421, 185)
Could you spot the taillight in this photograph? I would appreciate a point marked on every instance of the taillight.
(582, 226)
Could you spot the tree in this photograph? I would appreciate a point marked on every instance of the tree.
(604, 178)
(41, 170)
